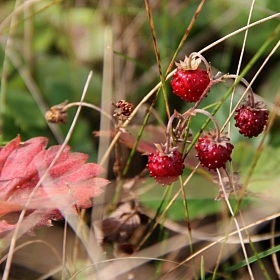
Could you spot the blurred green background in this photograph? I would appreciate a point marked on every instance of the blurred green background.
(49, 47)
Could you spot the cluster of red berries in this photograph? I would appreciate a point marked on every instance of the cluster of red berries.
(192, 84)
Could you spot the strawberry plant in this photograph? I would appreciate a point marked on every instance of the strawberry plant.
(139, 139)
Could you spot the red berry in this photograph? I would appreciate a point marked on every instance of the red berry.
(212, 153)
(189, 85)
(165, 168)
(251, 121)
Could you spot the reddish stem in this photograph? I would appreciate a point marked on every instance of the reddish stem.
(207, 65)
(251, 99)
(210, 116)
(169, 130)
(212, 82)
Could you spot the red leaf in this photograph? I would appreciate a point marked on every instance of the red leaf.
(70, 183)
(152, 134)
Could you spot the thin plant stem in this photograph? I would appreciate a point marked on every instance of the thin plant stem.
(253, 79)
(187, 215)
(89, 105)
(166, 209)
(63, 262)
(272, 245)
(223, 238)
(241, 56)
(22, 214)
(154, 221)
(210, 46)
(157, 53)
(169, 131)
(186, 34)
(248, 86)
(236, 224)
(21, 246)
(211, 117)
(20, 9)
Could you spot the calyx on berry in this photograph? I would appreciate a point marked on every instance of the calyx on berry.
(190, 82)
(189, 63)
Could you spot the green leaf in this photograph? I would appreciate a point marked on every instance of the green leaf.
(266, 174)
(61, 80)
(200, 194)
(23, 109)
(253, 259)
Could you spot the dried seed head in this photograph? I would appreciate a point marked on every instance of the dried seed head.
(123, 109)
(228, 184)
(57, 114)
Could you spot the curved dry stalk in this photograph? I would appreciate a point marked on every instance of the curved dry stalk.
(19, 247)
(89, 105)
(272, 244)
(211, 117)
(239, 31)
(145, 259)
(236, 224)
(205, 248)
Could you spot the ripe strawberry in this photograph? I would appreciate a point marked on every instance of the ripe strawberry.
(212, 153)
(251, 120)
(189, 82)
(165, 168)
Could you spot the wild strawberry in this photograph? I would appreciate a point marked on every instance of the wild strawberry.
(213, 153)
(251, 120)
(189, 82)
(165, 167)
